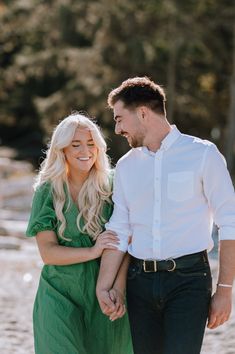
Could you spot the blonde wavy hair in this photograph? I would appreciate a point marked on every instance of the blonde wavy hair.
(96, 190)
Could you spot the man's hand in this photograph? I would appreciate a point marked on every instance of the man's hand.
(220, 307)
(119, 299)
(107, 305)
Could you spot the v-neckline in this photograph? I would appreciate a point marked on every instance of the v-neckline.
(70, 199)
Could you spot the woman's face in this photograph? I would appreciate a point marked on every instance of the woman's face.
(82, 152)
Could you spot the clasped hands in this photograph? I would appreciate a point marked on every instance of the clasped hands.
(112, 303)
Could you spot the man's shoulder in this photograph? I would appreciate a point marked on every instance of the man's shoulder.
(196, 142)
(131, 155)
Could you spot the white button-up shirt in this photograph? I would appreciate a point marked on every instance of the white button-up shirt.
(167, 201)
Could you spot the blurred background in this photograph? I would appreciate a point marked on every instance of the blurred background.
(63, 55)
(57, 56)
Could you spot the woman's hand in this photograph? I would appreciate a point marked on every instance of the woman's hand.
(106, 240)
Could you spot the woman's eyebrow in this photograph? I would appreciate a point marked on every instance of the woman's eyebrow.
(78, 141)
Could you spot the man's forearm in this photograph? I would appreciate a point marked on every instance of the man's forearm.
(110, 264)
(120, 281)
(226, 262)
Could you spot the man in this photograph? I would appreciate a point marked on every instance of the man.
(167, 191)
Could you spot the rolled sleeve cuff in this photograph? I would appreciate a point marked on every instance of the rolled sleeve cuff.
(227, 233)
(123, 245)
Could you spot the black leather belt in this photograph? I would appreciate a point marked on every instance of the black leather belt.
(170, 264)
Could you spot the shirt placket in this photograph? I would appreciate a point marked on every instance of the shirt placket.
(157, 205)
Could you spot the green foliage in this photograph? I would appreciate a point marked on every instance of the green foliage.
(64, 55)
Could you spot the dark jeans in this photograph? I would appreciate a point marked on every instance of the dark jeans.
(168, 310)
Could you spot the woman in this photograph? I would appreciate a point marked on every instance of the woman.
(70, 206)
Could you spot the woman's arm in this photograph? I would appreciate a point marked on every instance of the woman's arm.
(54, 254)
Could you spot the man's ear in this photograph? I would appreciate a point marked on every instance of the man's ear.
(142, 112)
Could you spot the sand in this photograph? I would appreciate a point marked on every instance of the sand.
(21, 265)
(19, 279)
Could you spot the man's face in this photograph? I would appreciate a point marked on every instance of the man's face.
(127, 124)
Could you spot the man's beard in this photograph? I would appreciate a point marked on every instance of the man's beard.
(136, 141)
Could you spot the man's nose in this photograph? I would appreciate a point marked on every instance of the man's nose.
(118, 128)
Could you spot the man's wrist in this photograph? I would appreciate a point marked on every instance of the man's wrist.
(119, 290)
(224, 285)
(226, 290)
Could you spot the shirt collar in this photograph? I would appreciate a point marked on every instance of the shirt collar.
(171, 137)
(167, 142)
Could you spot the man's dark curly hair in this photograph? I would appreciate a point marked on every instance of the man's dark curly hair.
(138, 91)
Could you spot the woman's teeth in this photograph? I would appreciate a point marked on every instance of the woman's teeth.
(83, 158)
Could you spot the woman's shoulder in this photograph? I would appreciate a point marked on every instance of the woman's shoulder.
(43, 193)
(44, 188)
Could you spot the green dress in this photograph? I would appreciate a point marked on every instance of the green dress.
(66, 316)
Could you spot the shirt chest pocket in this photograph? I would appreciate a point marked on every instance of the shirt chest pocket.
(180, 186)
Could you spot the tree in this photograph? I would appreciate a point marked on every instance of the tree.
(230, 146)
(62, 55)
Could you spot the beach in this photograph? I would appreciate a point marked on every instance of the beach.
(20, 275)
(21, 266)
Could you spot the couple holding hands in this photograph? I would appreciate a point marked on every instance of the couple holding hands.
(136, 237)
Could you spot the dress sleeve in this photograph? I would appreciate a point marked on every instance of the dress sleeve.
(42, 217)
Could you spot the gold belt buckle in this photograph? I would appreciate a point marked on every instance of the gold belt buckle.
(149, 271)
(174, 264)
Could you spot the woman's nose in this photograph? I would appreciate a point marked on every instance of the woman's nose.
(84, 149)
